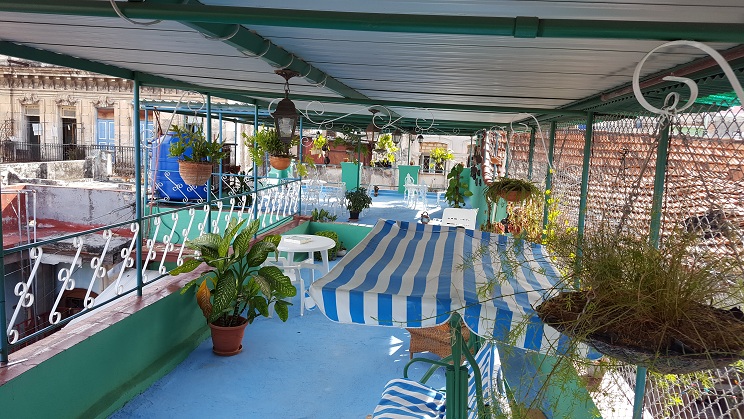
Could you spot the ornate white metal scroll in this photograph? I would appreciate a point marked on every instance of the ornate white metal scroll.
(216, 220)
(68, 283)
(168, 244)
(23, 291)
(185, 236)
(672, 100)
(127, 259)
(151, 253)
(203, 225)
(99, 271)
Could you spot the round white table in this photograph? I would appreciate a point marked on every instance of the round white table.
(315, 244)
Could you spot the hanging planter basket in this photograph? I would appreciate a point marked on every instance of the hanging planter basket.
(195, 173)
(515, 196)
(563, 312)
(279, 163)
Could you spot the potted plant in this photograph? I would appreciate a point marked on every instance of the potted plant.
(511, 190)
(439, 156)
(356, 201)
(673, 309)
(267, 141)
(196, 156)
(237, 289)
(320, 144)
(457, 190)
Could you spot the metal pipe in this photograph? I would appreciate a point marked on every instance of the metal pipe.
(518, 27)
(532, 153)
(549, 175)
(584, 183)
(3, 320)
(208, 129)
(255, 168)
(662, 154)
(138, 202)
(222, 141)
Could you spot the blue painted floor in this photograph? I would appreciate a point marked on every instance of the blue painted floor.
(308, 367)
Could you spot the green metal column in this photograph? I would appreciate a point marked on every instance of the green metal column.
(549, 174)
(208, 130)
(3, 320)
(654, 234)
(585, 181)
(255, 168)
(299, 161)
(222, 141)
(138, 202)
(532, 153)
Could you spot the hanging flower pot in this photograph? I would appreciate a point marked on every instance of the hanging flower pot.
(279, 162)
(564, 313)
(195, 173)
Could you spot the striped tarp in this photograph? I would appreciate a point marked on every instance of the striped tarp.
(413, 275)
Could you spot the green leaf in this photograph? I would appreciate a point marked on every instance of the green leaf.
(261, 305)
(206, 240)
(279, 282)
(225, 293)
(264, 283)
(281, 310)
(188, 286)
(258, 253)
(232, 228)
(243, 242)
(188, 266)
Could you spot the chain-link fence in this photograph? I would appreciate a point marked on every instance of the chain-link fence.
(703, 193)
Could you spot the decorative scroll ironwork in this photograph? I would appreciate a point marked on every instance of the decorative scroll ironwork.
(23, 291)
(68, 283)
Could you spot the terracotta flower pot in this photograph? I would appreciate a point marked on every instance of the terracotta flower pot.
(195, 173)
(227, 341)
(279, 163)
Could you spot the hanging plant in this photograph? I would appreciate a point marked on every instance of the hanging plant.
(441, 155)
(267, 141)
(196, 156)
(675, 309)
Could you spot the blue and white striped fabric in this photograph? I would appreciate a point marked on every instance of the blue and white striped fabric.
(411, 275)
(492, 383)
(403, 398)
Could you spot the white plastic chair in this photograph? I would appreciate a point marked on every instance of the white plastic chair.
(292, 270)
(459, 217)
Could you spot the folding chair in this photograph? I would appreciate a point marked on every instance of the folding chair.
(407, 398)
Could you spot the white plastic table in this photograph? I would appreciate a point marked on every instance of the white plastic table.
(316, 244)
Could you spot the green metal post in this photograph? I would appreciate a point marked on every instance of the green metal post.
(507, 155)
(222, 141)
(138, 202)
(585, 181)
(659, 180)
(654, 234)
(532, 153)
(3, 320)
(299, 153)
(255, 168)
(456, 375)
(208, 130)
(549, 175)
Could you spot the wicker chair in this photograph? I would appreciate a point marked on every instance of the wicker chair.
(436, 340)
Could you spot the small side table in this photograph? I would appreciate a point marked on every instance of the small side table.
(316, 244)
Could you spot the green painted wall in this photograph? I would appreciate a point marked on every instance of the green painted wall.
(350, 235)
(350, 175)
(99, 375)
(477, 200)
(183, 222)
(404, 170)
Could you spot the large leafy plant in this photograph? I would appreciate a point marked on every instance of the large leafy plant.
(357, 200)
(440, 155)
(193, 146)
(237, 284)
(457, 190)
(267, 141)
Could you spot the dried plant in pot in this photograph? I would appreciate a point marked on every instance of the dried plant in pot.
(675, 309)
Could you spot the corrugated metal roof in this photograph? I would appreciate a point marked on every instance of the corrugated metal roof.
(437, 71)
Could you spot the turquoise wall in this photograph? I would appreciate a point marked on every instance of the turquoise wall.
(350, 175)
(100, 374)
(404, 170)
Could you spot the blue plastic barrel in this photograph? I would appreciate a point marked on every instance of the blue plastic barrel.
(164, 171)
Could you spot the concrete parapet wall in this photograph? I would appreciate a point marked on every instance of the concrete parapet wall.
(59, 170)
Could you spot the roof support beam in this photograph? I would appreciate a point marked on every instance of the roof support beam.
(382, 22)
